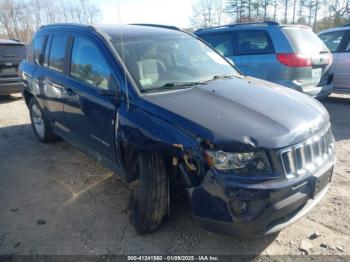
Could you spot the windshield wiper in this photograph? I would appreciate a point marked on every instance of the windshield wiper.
(216, 77)
(173, 86)
(222, 76)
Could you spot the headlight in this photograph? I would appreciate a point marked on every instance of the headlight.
(242, 163)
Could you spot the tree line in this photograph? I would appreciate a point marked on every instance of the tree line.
(318, 14)
(19, 19)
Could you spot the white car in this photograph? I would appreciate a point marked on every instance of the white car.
(338, 41)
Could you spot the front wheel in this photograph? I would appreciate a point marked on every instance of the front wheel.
(40, 124)
(149, 197)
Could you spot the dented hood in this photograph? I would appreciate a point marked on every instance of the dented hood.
(242, 110)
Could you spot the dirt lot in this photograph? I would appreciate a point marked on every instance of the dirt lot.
(56, 200)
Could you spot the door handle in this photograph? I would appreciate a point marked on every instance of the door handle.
(49, 83)
(68, 91)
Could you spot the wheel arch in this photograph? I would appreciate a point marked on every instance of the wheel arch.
(27, 96)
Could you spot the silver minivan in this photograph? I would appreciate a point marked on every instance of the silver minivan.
(338, 41)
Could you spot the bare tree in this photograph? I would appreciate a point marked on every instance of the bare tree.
(275, 4)
(285, 6)
(20, 18)
(294, 10)
(206, 13)
(265, 4)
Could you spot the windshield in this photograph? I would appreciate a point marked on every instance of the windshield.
(168, 62)
(305, 41)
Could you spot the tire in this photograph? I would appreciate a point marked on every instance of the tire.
(40, 124)
(149, 197)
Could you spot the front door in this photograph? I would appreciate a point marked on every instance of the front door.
(89, 103)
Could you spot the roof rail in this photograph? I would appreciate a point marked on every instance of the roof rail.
(160, 26)
(270, 23)
(346, 25)
(65, 24)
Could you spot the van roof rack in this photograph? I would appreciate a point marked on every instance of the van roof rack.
(67, 25)
(269, 23)
(160, 26)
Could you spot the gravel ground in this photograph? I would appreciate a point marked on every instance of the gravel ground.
(56, 200)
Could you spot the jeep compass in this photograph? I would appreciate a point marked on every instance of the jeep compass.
(169, 114)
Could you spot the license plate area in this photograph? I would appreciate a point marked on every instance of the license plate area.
(320, 182)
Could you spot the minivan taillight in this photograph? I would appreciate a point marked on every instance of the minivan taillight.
(294, 60)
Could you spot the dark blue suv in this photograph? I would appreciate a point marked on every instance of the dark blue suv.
(169, 114)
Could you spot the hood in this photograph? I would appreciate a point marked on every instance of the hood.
(242, 110)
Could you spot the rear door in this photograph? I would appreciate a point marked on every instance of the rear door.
(89, 99)
(49, 78)
(254, 53)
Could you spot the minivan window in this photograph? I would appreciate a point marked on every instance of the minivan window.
(332, 39)
(57, 52)
(166, 61)
(38, 48)
(222, 42)
(88, 64)
(304, 40)
(253, 42)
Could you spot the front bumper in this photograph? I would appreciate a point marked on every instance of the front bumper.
(10, 85)
(269, 206)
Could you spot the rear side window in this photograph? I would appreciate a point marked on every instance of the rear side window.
(88, 64)
(38, 44)
(222, 42)
(304, 40)
(57, 52)
(333, 39)
(253, 42)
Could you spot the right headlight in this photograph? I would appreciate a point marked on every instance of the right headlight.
(241, 163)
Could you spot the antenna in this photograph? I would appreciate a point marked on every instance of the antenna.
(123, 57)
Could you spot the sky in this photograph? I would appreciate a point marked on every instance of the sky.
(167, 12)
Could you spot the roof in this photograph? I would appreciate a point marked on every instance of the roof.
(10, 42)
(252, 25)
(334, 29)
(115, 30)
(238, 25)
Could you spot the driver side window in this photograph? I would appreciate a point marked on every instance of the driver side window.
(88, 64)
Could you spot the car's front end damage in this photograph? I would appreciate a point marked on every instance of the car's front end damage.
(256, 203)
(263, 158)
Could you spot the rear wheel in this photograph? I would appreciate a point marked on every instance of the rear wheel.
(150, 193)
(40, 124)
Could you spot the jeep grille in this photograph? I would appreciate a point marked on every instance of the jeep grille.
(308, 155)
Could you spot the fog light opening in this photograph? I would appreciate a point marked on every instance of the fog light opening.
(240, 207)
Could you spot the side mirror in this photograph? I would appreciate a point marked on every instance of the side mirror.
(113, 89)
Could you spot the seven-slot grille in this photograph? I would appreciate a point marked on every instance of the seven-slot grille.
(309, 155)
